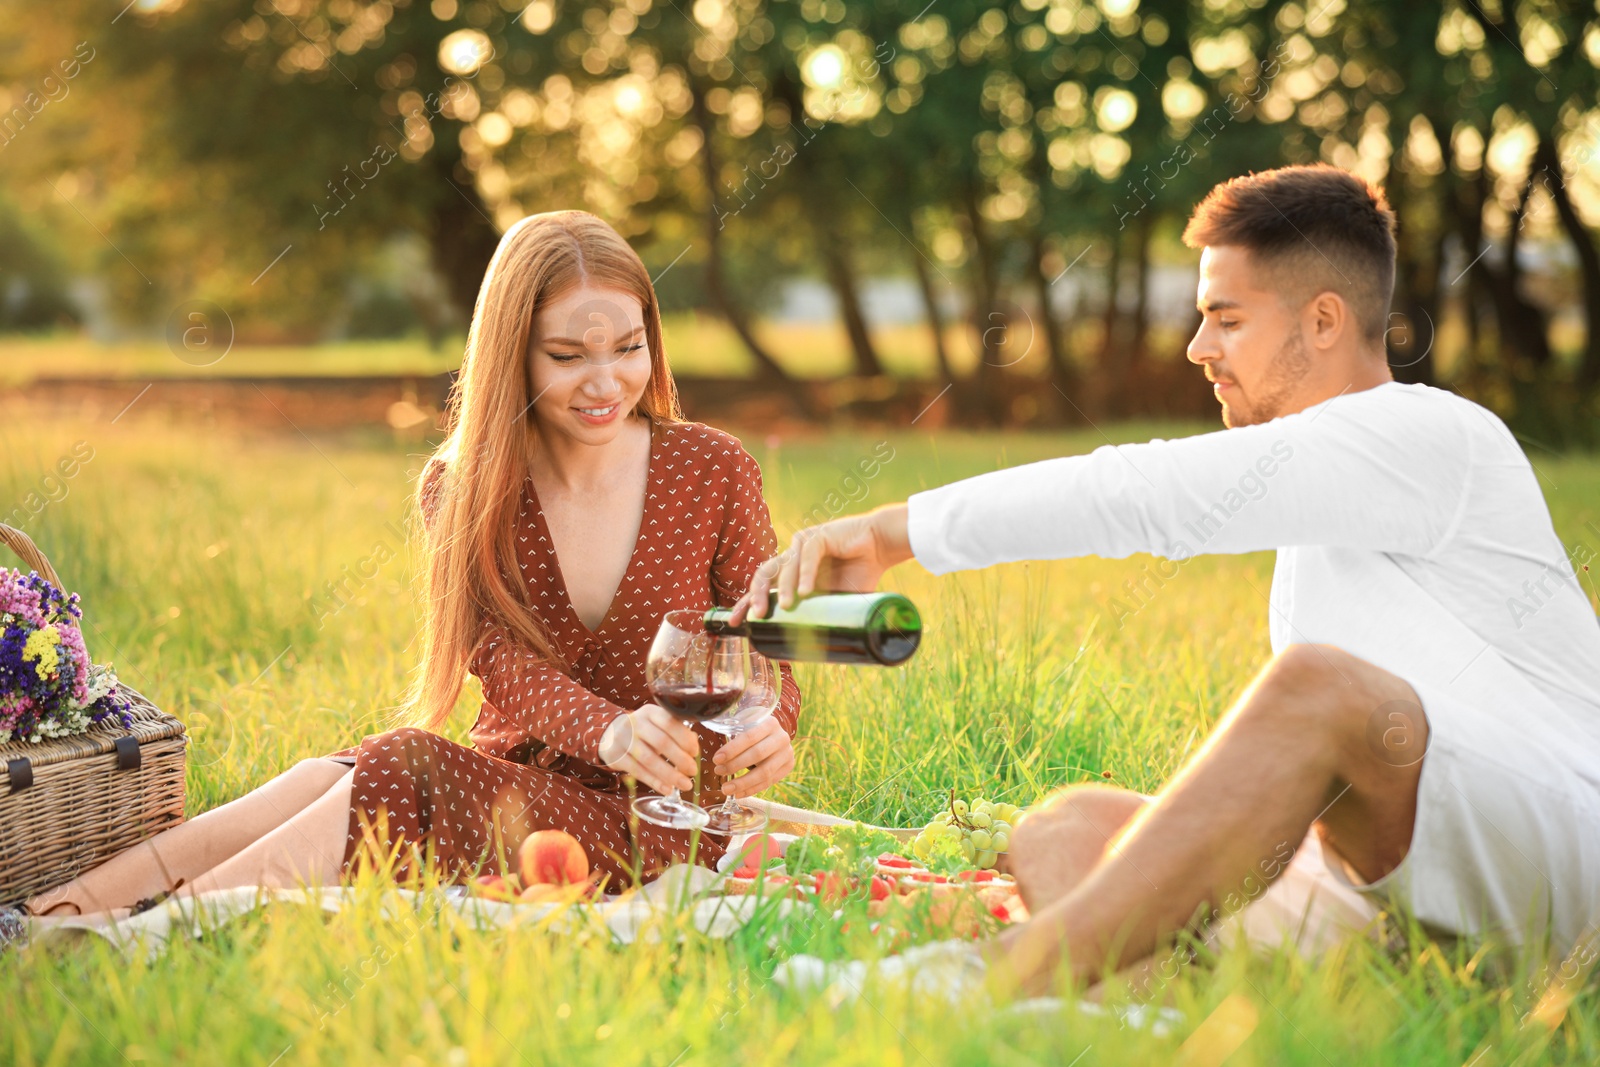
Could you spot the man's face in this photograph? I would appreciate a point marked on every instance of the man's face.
(1249, 343)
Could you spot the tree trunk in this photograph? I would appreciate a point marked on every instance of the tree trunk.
(930, 304)
(1134, 359)
(1524, 320)
(1478, 301)
(1434, 309)
(827, 222)
(842, 277)
(1108, 360)
(1548, 159)
(989, 319)
(1417, 285)
(463, 238)
(1520, 326)
(716, 285)
(1055, 344)
(1058, 346)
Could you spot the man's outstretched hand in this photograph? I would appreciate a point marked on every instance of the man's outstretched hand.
(846, 555)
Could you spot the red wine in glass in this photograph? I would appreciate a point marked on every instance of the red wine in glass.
(694, 701)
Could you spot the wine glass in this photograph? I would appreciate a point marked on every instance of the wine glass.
(695, 675)
(762, 689)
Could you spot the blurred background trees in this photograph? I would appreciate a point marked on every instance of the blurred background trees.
(1018, 173)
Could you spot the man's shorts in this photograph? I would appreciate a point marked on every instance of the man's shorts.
(1506, 844)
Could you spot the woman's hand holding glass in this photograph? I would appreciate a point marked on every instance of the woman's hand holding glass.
(757, 743)
(654, 746)
(765, 749)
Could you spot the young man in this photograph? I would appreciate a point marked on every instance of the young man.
(1432, 706)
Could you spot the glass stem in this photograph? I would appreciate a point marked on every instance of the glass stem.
(730, 807)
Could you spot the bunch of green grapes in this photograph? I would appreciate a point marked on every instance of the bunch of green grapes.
(980, 828)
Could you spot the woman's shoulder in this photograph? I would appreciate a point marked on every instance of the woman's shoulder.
(699, 444)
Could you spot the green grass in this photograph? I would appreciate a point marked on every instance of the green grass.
(699, 346)
(200, 553)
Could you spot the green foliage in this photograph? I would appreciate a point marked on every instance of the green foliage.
(849, 850)
(33, 280)
(986, 150)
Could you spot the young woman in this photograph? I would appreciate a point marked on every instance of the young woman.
(568, 510)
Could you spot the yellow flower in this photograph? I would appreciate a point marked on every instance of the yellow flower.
(41, 646)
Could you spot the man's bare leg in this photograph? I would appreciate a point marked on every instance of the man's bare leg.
(1298, 747)
(1059, 840)
(192, 848)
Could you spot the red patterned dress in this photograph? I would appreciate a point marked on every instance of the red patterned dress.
(534, 761)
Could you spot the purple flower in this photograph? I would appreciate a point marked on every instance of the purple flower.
(68, 697)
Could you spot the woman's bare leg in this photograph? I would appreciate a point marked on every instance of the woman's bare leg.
(308, 849)
(192, 848)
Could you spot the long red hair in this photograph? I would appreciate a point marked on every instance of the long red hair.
(471, 575)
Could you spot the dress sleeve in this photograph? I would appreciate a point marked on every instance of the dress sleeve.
(430, 485)
(535, 699)
(745, 541)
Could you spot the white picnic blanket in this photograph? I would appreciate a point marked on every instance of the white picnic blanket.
(626, 919)
(951, 970)
(625, 916)
(1306, 907)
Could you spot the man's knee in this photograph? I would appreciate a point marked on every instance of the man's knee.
(1060, 840)
(1308, 671)
(1344, 702)
(1092, 812)
(1323, 683)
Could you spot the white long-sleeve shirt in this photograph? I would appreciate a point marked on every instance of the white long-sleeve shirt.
(1409, 525)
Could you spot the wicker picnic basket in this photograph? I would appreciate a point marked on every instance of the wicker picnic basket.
(70, 803)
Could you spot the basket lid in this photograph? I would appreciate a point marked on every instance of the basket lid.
(150, 723)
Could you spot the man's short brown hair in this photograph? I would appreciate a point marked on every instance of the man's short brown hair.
(1310, 229)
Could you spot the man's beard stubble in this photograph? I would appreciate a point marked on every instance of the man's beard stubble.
(1286, 370)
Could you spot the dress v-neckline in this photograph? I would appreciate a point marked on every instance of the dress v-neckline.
(651, 466)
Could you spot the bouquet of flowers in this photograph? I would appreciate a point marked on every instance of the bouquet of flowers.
(48, 687)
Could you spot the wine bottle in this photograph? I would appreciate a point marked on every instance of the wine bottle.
(830, 628)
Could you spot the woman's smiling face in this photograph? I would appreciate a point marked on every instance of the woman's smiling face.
(588, 362)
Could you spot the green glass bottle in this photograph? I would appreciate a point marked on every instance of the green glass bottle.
(831, 628)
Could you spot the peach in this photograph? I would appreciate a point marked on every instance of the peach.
(541, 893)
(493, 887)
(552, 857)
